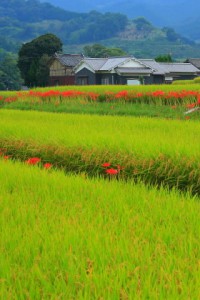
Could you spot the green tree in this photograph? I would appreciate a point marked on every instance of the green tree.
(10, 78)
(98, 50)
(30, 55)
(42, 73)
(164, 58)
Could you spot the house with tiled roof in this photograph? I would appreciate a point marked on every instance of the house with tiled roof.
(170, 71)
(194, 61)
(62, 68)
(129, 70)
(111, 70)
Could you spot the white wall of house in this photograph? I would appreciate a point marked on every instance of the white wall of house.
(82, 66)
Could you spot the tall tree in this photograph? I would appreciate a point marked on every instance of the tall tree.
(30, 55)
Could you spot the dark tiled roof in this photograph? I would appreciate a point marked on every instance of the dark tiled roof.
(95, 63)
(109, 63)
(157, 68)
(113, 62)
(70, 60)
(194, 61)
(179, 68)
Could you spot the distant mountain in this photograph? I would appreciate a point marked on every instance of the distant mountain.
(182, 15)
(24, 20)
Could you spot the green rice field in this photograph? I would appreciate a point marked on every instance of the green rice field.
(69, 237)
(100, 193)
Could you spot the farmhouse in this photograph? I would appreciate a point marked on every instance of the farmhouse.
(62, 68)
(129, 70)
(112, 70)
(71, 69)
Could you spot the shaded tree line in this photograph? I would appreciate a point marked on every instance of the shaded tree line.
(10, 78)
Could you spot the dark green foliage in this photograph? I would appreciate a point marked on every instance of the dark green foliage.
(42, 72)
(10, 78)
(34, 57)
(24, 20)
(164, 58)
(91, 27)
(142, 24)
(98, 50)
(32, 11)
(173, 36)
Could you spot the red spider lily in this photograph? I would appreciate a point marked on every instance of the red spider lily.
(158, 93)
(10, 99)
(112, 171)
(47, 166)
(33, 160)
(187, 117)
(50, 93)
(198, 100)
(6, 157)
(72, 93)
(93, 96)
(173, 107)
(105, 165)
(122, 94)
(139, 95)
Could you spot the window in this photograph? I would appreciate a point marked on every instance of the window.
(133, 82)
(105, 80)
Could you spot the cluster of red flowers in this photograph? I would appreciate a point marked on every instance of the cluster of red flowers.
(10, 99)
(31, 161)
(122, 94)
(65, 94)
(172, 98)
(110, 170)
(36, 160)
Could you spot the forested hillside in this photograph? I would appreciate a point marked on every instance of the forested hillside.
(182, 15)
(23, 21)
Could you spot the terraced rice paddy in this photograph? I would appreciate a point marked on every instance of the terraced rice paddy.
(99, 207)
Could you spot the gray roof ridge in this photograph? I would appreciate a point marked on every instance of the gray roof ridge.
(96, 58)
(117, 64)
(68, 54)
(147, 59)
